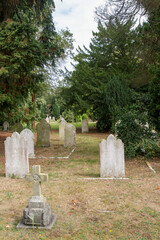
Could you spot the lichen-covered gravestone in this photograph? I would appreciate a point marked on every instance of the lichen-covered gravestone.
(43, 134)
(5, 126)
(85, 126)
(62, 126)
(38, 212)
(112, 163)
(70, 135)
(29, 137)
(18, 127)
(16, 157)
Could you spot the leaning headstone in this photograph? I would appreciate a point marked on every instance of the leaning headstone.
(112, 163)
(38, 211)
(85, 126)
(61, 129)
(70, 135)
(18, 127)
(43, 134)
(16, 157)
(5, 126)
(29, 137)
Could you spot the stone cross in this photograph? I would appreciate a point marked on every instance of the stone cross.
(37, 177)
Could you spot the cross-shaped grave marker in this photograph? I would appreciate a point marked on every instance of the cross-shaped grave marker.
(37, 177)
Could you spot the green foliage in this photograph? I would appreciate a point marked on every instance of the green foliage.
(136, 134)
(29, 44)
(84, 116)
(68, 115)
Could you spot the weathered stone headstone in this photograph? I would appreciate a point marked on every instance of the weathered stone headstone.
(112, 163)
(5, 126)
(29, 137)
(85, 126)
(53, 119)
(38, 212)
(18, 127)
(61, 129)
(70, 135)
(16, 157)
(43, 134)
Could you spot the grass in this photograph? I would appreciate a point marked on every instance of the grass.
(85, 209)
(78, 125)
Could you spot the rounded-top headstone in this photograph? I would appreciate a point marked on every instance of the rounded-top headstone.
(29, 137)
(43, 134)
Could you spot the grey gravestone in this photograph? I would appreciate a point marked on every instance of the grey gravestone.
(5, 126)
(38, 212)
(112, 163)
(29, 137)
(70, 135)
(16, 157)
(85, 126)
(18, 127)
(43, 134)
(61, 129)
(53, 119)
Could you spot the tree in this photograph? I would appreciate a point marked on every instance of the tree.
(29, 45)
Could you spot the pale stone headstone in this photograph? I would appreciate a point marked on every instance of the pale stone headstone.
(5, 126)
(38, 212)
(61, 129)
(53, 119)
(85, 126)
(29, 137)
(47, 119)
(112, 163)
(43, 134)
(18, 127)
(70, 135)
(16, 157)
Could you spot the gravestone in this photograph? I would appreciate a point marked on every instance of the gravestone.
(85, 126)
(112, 162)
(29, 137)
(18, 127)
(43, 134)
(53, 119)
(70, 135)
(47, 119)
(5, 126)
(38, 212)
(16, 157)
(61, 129)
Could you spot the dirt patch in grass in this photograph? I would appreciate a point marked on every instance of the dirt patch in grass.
(85, 209)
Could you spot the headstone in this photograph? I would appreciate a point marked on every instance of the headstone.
(5, 126)
(50, 119)
(38, 212)
(29, 137)
(47, 119)
(70, 135)
(85, 126)
(53, 119)
(18, 127)
(61, 129)
(112, 163)
(43, 134)
(16, 157)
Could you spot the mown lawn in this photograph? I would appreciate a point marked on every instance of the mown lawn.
(86, 209)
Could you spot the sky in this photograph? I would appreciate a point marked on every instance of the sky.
(78, 16)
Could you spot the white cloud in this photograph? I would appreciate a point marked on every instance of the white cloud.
(78, 16)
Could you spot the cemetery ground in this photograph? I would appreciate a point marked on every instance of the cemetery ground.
(86, 209)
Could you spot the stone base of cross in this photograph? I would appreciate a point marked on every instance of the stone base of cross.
(38, 212)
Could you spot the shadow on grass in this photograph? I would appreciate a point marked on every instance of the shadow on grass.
(89, 175)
